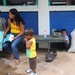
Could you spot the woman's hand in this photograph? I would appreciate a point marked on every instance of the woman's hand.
(4, 35)
(14, 38)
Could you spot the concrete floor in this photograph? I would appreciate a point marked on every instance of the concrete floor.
(64, 64)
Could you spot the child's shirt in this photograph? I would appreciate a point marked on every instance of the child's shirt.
(66, 38)
(31, 53)
(2, 22)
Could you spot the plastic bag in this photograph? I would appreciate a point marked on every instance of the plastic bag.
(50, 55)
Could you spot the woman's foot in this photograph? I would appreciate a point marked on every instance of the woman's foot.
(17, 62)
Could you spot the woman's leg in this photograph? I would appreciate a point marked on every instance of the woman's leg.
(15, 49)
(7, 47)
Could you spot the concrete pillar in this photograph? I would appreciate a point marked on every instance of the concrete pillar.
(43, 20)
(43, 17)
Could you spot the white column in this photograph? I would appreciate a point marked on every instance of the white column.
(43, 20)
(43, 17)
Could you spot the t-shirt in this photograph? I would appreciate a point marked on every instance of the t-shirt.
(66, 38)
(2, 22)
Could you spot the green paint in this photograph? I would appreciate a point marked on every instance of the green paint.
(4, 2)
(48, 2)
(36, 2)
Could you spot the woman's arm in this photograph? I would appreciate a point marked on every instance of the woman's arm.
(6, 29)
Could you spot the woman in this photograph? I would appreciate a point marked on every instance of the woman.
(16, 27)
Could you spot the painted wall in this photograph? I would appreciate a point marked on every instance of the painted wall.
(44, 17)
(62, 19)
(30, 18)
(43, 13)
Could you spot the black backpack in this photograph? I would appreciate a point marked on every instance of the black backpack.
(50, 55)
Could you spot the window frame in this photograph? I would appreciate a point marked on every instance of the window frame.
(5, 3)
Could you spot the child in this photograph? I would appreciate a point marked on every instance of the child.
(65, 44)
(2, 30)
(31, 50)
(2, 24)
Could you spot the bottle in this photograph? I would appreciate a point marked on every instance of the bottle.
(45, 34)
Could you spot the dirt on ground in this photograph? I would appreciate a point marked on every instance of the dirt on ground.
(63, 64)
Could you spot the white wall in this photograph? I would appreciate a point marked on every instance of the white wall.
(43, 17)
(43, 14)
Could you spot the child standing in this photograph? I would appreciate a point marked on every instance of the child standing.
(31, 50)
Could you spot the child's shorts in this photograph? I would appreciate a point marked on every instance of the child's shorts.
(32, 63)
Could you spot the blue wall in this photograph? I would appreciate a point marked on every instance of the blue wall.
(30, 18)
(62, 19)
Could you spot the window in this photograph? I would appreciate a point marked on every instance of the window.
(1, 2)
(18, 2)
(61, 2)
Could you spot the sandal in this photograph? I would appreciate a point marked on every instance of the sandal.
(17, 62)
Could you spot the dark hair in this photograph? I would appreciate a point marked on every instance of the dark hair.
(64, 30)
(29, 31)
(17, 17)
